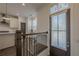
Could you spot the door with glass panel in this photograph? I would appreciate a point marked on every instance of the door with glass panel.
(60, 33)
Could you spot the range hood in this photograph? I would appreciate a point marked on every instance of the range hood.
(4, 19)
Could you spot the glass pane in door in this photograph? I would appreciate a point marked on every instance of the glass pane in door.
(62, 21)
(54, 23)
(62, 40)
(54, 39)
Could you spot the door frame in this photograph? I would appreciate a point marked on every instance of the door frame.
(67, 30)
(24, 28)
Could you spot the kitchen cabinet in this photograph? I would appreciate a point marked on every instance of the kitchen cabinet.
(14, 23)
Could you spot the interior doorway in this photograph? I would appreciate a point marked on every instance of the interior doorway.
(23, 27)
(60, 33)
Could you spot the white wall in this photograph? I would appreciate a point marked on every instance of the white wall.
(75, 29)
(43, 19)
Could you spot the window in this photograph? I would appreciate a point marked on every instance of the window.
(32, 24)
(58, 7)
(59, 31)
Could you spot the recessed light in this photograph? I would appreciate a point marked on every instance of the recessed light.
(23, 4)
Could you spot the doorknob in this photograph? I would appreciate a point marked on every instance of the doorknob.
(67, 44)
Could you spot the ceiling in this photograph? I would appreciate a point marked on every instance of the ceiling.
(18, 9)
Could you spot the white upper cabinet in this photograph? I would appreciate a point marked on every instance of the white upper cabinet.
(14, 23)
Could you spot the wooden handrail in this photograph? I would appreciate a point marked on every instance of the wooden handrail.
(35, 33)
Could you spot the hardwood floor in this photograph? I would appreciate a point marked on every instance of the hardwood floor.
(57, 52)
(11, 51)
